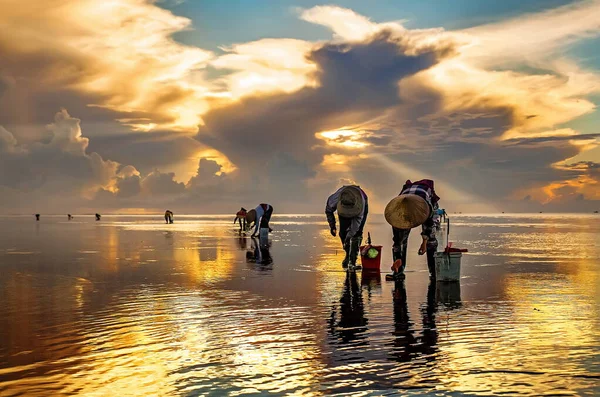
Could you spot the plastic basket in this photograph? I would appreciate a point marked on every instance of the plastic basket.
(370, 263)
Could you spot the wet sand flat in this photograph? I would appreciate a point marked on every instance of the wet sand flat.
(131, 306)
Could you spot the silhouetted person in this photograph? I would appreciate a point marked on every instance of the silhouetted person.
(98, 217)
(240, 217)
(37, 217)
(69, 216)
(169, 216)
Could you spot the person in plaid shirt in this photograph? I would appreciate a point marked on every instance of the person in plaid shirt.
(425, 190)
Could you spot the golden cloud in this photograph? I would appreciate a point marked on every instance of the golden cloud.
(120, 51)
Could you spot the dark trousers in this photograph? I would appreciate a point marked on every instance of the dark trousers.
(264, 221)
(401, 244)
(346, 223)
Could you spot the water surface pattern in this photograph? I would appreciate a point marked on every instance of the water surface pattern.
(130, 306)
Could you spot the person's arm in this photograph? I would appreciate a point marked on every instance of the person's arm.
(235, 220)
(426, 232)
(330, 208)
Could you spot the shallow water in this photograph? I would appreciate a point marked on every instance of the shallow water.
(130, 306)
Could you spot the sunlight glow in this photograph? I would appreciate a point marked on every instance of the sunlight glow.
(344, 137)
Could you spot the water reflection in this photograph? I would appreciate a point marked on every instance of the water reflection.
(406, 345)
(242, 241)
(347, 322)
(447, 294)
(259, 253)
(131, 308)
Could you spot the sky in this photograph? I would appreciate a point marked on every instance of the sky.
(136, 106)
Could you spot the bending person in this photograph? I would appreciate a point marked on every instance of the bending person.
(352, 206)
(416, 205)
(263, 217)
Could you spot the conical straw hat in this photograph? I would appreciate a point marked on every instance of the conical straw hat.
(351, 202)
(407, 211)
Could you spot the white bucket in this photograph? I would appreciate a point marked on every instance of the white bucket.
(447, 266)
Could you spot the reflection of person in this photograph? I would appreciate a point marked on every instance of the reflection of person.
(259, 254)
(352, 206)
(240, 217)
(242, 241)
(406, 345)
(415, 206)
(263, 217)
(352, 322)
(169, 216)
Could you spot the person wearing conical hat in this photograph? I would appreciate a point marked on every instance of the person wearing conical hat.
(415, 206)
(352, 206)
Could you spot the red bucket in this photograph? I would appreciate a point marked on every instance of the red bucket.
(370, 263)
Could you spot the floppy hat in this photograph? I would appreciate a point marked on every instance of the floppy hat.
(351, 202)
(251, 216)
(407, 211)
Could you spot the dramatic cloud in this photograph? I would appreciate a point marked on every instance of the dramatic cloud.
(119, 53)
(286, 121)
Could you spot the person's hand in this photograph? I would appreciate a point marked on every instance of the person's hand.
(270, 230)
(333, 231)
(423, 248)
(253, 235)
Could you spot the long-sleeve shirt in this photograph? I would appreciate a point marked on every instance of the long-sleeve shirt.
(331, 207)
(424, 188)
(260, 212)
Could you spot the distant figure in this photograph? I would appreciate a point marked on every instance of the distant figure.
(169, 216)
(69, 216)
(416, 205)
(97, 217)
(263, 217)
(241, 217)
(352, 206)
(37, 217)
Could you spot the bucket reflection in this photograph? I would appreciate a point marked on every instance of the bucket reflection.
(448, 294)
